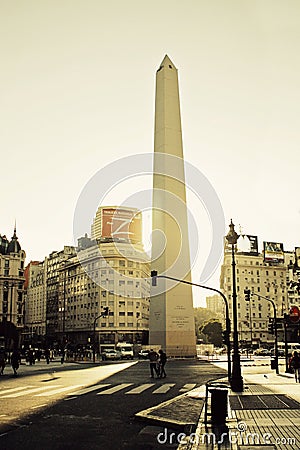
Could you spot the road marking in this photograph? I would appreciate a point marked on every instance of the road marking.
(188, 387)
(14, 389)
(29, 391)
(89, 389)
(141, 388)
(39, 406)
(58, 391)
(114, 389)
(164, 388)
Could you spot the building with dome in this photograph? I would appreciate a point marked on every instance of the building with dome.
(12, 259)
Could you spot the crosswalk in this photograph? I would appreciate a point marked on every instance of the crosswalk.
(99, 389)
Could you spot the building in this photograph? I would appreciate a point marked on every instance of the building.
(35, 303)
(54, 313)
(215, 304)
(264, 274)
(12, 259)
(105, 275)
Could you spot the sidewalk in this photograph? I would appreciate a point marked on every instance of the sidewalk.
(265, 416)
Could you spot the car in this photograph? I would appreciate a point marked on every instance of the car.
(111, 354)
(262, 352)
(143, 354)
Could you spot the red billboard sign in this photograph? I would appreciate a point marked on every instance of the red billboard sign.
(121, 223)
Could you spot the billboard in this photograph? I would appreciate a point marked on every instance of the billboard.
(273, 252)
(246, 244)
(121, 223)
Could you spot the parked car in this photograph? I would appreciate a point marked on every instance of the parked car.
(111, 354)
(262, 352)
(143, 354)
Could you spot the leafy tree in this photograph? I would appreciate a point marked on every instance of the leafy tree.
(213, 331)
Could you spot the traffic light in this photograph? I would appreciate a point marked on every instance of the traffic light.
(105, 311)
(154, 277)
(225, 337)
(271, 326)
(247, 295)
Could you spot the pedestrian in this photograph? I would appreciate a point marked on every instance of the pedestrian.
(161, 364)
(47, 355)
(153, 358)
(31, 356)
(295, 365)
(15, 360)
(2, 360)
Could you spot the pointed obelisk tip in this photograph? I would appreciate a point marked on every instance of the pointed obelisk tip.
(166, 62)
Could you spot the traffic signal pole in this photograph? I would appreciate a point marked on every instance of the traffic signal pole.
(275, 325)
(154, 277)
(103, 314)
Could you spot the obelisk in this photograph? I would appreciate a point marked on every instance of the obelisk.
(171, 305)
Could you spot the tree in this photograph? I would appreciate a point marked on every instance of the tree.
(213, 331)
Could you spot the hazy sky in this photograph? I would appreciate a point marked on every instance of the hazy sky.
(77, 86)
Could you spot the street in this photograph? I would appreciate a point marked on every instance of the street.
(78, 406)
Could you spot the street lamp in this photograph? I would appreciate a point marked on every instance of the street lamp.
(236, 381)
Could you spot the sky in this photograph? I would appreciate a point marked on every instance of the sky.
(77, 87)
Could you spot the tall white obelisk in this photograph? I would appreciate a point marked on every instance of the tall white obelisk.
(171, 306)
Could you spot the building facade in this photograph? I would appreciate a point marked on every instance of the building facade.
(265, 277)
(35, 303)
(12, 260)
(108, 274)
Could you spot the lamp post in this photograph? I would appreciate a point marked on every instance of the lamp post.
(236, 381)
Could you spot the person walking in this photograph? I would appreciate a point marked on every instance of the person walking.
(2, 360)
(15, 361)
(153, 358)
(295, 365)
(161, 364)
(47, 355)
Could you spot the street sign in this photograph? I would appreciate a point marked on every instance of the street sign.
(294, 314)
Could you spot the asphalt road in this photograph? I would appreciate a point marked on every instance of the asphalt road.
(82, 407)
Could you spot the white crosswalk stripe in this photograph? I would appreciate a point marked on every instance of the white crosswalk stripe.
(13, 390)
(164, 388)
(89, 389)
(58, 391)
(188, 387)
(114, 389)
(140, 389)
(28, 391)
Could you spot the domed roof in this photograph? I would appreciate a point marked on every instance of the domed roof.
(14, 246)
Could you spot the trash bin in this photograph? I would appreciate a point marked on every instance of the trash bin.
(273, 363)
(219, 405)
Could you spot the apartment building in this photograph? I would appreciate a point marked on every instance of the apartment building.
(12, 259)
(264, 274)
